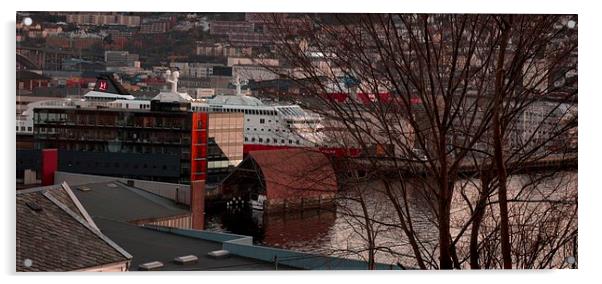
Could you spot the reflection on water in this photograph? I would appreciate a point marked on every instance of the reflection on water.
(305, 231)
(339, 231)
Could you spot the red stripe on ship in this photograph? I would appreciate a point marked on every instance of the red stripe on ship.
(337, 152)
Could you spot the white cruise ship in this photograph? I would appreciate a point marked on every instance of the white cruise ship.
(266, 125)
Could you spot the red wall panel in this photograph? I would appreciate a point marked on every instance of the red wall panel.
(198, 148)
(50, 164)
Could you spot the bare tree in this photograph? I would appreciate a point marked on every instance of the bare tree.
(429, 99)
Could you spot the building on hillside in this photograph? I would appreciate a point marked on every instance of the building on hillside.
(27, 80)
(254, 72)
(252, 61)
(252, 39)
(102, 19)
(222, 50)
(228, 27)
(157, 25)
(121, 59)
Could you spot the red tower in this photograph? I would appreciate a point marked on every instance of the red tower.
(198, 151)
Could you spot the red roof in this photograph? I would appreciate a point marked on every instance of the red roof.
(295, 173)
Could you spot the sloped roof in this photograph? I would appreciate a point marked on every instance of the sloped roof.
(295, 172)
(56, 234)
(116, 201)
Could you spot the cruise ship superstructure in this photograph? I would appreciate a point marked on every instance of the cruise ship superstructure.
(266, 125)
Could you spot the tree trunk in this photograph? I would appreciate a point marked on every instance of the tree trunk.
(445, 261)
(498, 152)
(479, 212)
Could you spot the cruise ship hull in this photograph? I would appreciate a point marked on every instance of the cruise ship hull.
(331, 151)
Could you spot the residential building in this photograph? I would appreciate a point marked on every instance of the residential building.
(254, 72)
(253, 39)
(121, 59)
(74, 40)
(252, 61)
(27, 80)
(100, 19)
(222, 50)
(157, 25)
(229, 27)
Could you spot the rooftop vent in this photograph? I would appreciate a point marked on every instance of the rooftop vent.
(186, 259)
(84, 188)
(150, 265)
(219, 253)
(34, 206)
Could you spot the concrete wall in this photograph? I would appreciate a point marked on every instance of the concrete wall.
(177, 192)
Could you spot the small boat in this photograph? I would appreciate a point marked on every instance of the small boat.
(257, 201)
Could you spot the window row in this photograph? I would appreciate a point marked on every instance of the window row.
(119, 165)
(274, 141)
(269, 129)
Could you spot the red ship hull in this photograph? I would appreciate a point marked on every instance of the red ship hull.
(331, 151)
